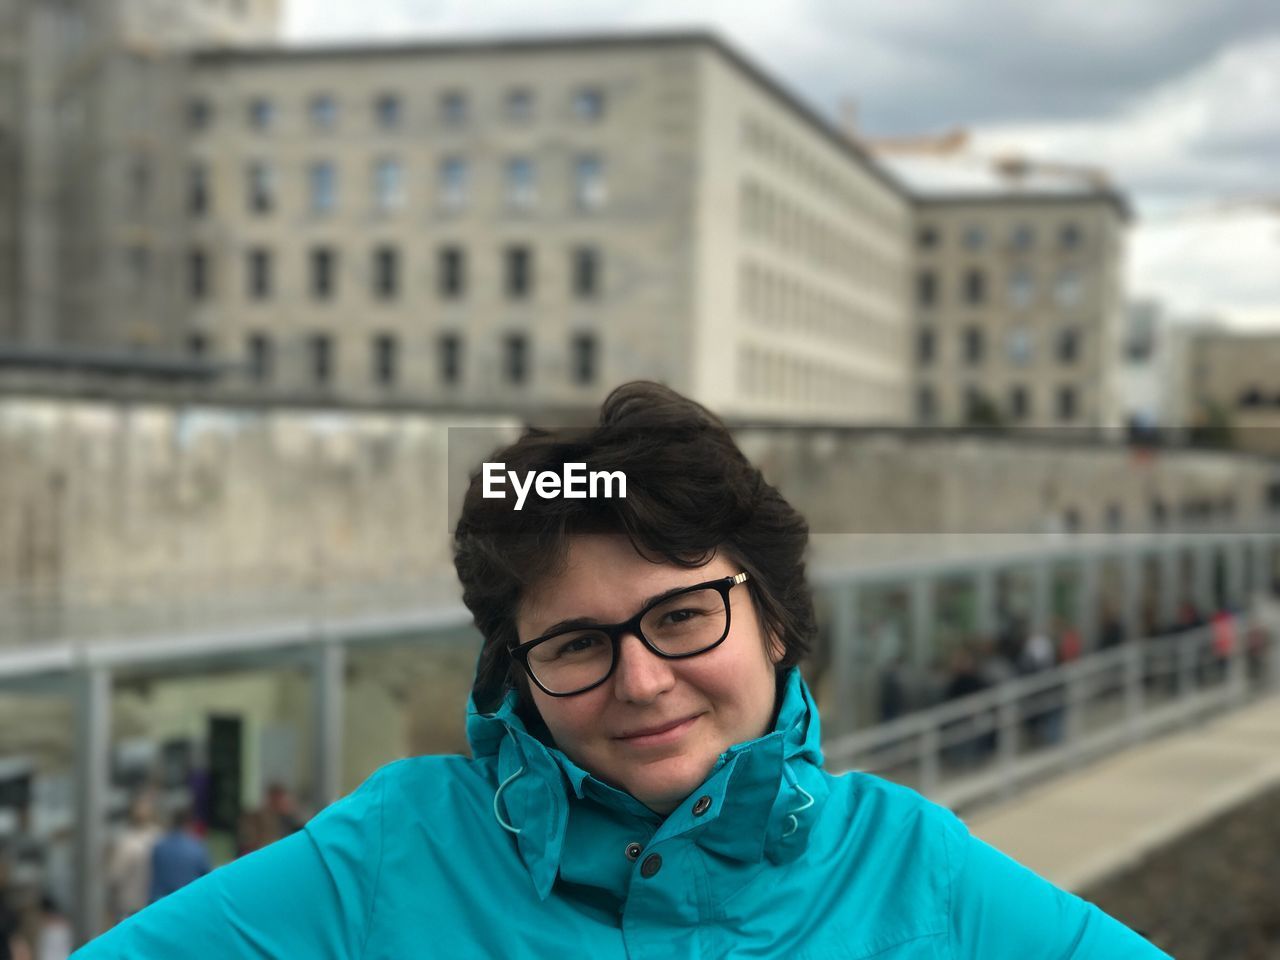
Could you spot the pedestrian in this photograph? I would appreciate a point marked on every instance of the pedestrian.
(178, 858)
(129, 865)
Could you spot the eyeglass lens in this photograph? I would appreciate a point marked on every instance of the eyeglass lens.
(680, 626)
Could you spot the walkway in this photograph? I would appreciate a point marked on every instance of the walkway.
(1083, 827)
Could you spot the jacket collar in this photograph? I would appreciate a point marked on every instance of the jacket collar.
(765, 794)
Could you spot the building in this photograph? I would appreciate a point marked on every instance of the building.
(1153, 369)
(515, 224)
(1018, 286)
(1234, 387)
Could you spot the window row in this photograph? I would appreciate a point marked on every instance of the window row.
(388, 111)
(980, 409)
(1021, 291)
(386, 272)
(262, 357)
(783, 303)
(763, 140)
(774, 375)
(767, 215)
(1019, 346)
(387, 189)
(976, 237)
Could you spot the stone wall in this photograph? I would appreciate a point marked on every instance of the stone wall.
(118, 519)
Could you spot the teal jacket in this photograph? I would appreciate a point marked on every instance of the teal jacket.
(520, 853)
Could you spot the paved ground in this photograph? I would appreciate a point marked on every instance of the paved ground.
(1083, 828)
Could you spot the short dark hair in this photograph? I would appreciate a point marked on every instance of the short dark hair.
(690, 492)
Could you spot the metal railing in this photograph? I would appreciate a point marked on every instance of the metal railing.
(991, 744)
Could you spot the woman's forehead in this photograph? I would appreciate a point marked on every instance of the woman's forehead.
(604, 575)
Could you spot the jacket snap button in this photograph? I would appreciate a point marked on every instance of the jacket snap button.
(633, 851)
(652, 864)
(702, 806)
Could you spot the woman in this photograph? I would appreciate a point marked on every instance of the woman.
(647, 777)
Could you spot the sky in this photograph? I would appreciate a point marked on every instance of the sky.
(1178, 101)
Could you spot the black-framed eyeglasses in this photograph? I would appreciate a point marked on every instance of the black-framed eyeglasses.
(577, 657)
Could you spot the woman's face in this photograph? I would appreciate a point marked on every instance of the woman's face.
(719, 698)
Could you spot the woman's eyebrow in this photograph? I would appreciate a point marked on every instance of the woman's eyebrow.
(574, 622)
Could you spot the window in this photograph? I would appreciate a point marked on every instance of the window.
(586, 273)
(139, 183)
(519, 105)
(323, 266)
(1019, 402)
(975, 237)
(520, 188)
(199, 114)
(1066, 403)
(139, 261)
(197, 190)
(262, 114)
(320, 346)
(584, 358)
(261, 187)
(926, 288)
(928, 238)
(453, 273)
(384, 359)
(198, 274)
(1022, 288)
(975, 287)
(588, 181)
(517, 357)
(386, 111)
(1070, 236)
(588, 104)
(974, 346)
(1115, 517)
(323, 111)
(926, 346)
(1067, 287)
(453, 183)
(1019, 345)
(386, 263)
(1068, 345)
(322, 187)
(388, 185)
(1023, 237)
(259, 273)
(518, 282)
(261, 357)
(453, 108)
(926, 404)
(450, 358)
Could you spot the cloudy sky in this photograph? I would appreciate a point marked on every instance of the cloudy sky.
(1180, 101)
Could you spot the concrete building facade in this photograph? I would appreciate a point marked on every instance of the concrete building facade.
(529, 223)
(1018, 295)
(1233, 383)
(482, 224)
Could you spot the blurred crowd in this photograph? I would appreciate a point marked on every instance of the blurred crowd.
(1017, 650)
(149, 857)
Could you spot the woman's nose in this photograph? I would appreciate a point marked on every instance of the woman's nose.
(640, 675)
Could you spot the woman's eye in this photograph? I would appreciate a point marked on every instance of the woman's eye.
(579, 643)
(680, 616)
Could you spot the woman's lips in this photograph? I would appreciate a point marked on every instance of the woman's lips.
(657, 736)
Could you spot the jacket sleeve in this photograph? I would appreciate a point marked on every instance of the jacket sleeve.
(308, 895)
(1001, 909)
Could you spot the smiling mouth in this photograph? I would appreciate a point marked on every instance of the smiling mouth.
(660, 734)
